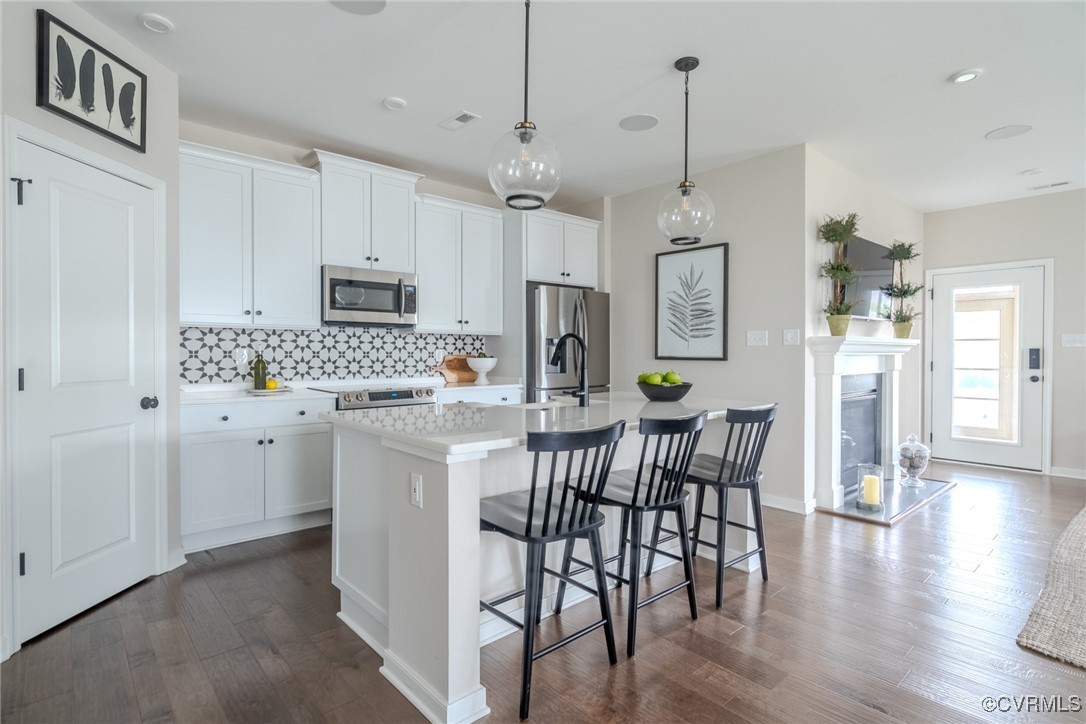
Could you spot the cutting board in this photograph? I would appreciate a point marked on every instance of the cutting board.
(454, 368)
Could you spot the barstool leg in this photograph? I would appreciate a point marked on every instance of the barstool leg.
(688, 561)
(655, 541)
(623, 531)
(635, 566)
(533, 585)
(601, 587)
(697, 519)
(566, 560)
(756, 499)
(721, 537)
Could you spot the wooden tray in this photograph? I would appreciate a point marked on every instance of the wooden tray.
(454, 368)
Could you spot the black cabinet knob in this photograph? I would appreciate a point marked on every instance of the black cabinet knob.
(259, 442)
(225, 418)
(460, 321)
(376, 258)
(301, 412)
(258, 312)
(505, 399)
(270, 441)
(466, 322)
(369, 258)
(248, 312)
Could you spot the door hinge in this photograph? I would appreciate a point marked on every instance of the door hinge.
(19, 188)
(22, 564)
(931, 437)
(931, 366)
(22, 379)
(931, 293)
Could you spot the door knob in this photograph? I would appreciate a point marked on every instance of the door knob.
(149, 403)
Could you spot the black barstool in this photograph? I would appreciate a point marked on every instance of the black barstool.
(736, 469)
(656, 485)
(563, 508)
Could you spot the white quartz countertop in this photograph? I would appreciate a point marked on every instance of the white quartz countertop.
(217, 393)
(472, 428)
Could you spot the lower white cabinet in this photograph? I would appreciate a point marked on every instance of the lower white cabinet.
(488, 395)
(239, 484)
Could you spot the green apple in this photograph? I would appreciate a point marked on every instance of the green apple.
(654, 379)
(641, 377)
(673, 377)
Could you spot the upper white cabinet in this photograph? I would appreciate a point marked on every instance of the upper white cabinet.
(367, 213)
(459, 263)
(560, 249)
(250, 241)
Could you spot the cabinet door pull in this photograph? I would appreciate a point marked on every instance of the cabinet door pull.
(460, 321)
(369, 258)
(376, 258)
(248, 312)
(225, 418)
(258, 312)
(270, 441)
(259, 442)
(466, 322)
(302, 412)
(505, 399)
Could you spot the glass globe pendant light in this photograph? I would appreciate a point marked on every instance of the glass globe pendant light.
(687, 212)
(525, 168)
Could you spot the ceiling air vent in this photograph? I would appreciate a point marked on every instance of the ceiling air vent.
(458, 121)
(1048, 186)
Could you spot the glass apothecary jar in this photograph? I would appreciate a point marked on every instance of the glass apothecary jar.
(912, 460)
(869, 492)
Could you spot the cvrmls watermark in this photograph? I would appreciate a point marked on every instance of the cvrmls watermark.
(1033, 703)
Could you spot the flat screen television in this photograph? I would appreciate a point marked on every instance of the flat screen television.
(875, 272)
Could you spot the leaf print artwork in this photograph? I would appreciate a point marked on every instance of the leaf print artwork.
(690, 313)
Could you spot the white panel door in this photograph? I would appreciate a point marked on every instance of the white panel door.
(392, 226)
(345, 217)
(482, 273)
(83, 455)
(297, 470)
(543, 249)
(216, 242)
(222, 479)
(986, 391)
(581, 247)
(286, 250)
(437, 251)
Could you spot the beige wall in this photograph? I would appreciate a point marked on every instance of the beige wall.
(760, 213)
(17, 97)
(1050, 226)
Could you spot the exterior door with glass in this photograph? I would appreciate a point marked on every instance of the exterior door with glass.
(987, 366)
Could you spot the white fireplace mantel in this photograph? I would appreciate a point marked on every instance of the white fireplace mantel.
(837, 356)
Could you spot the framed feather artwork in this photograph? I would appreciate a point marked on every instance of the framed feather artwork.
(83, 82)
(692, 303)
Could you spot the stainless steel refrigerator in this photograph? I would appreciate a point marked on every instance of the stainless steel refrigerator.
(553, 311)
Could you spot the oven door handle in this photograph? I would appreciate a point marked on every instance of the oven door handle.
(403, 297)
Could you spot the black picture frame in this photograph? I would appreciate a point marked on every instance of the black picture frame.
(691, 320)
(69, 81)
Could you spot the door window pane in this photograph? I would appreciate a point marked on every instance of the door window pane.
(973, 355)
(981, 414)
(985, 365)
(976, 384)
(977, 325)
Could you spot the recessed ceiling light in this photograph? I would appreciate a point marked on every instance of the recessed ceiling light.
(155, 23)
(360, 7)
(964, 76)
(1031, 172)
(394, 104)
(639, 122)
(1008, 132)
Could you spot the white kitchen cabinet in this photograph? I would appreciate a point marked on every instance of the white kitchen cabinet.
(367, 213)
(297, 470)
(250, 241)
(222, 479)
(503, 395)
(459, 263)
(560, 249)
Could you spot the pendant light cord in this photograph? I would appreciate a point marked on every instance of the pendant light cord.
(686, 129)
(527, 11)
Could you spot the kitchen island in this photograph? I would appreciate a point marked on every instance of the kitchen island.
(408, 556)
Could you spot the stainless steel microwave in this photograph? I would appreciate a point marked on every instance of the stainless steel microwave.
(368, 296)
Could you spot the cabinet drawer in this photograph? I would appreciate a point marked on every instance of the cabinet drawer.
(265, 413)
(500, 396)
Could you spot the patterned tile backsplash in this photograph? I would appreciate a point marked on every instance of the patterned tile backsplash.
(318, 354)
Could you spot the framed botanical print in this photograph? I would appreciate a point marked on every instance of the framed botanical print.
(692, 303)
(85, 83)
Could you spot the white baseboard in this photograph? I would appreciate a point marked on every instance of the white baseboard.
(5, 652)
(468, 708)
(368, 628)
(204, 540)
(176, 559)
(803, 507)
(1075, 473)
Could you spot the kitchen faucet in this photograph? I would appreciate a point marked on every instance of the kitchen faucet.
(559, 358)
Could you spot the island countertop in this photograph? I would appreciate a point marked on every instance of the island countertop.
(476, 428)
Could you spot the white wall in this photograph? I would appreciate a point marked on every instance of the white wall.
(760, 213)
(1048, 226)
(18, 31)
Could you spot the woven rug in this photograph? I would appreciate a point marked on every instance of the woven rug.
(1057, 623)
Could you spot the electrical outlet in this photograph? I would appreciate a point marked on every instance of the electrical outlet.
(416, 490)
(241, 356)
(791, 337)
(757, 337)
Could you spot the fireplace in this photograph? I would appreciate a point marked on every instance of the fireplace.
(861, 425)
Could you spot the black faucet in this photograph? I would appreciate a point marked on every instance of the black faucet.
(559, 358)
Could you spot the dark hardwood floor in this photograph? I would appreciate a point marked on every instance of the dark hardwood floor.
(858, 623)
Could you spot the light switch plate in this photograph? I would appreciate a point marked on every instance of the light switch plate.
(791, 337)
(1073, 340)
(416, 490)
(757, 337)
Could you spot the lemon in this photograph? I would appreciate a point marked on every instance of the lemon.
(272, 384)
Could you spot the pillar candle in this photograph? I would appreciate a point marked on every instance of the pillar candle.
(872, 489)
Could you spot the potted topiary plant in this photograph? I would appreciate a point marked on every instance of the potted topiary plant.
(839, 231)
(900, 291)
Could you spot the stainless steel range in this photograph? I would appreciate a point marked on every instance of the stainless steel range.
(360, 395)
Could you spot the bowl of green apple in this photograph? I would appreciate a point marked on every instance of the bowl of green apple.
(662, 386)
